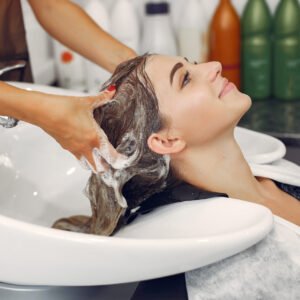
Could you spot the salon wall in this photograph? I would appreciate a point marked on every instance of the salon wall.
(41, 47)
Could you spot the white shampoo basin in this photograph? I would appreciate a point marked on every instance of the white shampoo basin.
(40, 182)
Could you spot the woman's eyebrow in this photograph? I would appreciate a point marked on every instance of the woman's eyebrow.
(175, 68)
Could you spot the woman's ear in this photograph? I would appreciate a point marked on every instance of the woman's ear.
(160, 144)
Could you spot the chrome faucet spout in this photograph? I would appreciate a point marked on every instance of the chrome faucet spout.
(19, 64)
(9, 122)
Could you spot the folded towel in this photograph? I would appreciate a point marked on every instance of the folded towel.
(267, 270)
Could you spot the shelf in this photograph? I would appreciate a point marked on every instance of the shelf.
(278, 118)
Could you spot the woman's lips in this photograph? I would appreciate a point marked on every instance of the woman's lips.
(228, 86)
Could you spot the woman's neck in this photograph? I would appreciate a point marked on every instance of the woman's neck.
(219, 166)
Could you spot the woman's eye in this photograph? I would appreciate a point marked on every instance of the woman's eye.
(186, 79)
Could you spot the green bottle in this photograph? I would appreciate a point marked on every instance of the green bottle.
(287, 50)
(256, 50)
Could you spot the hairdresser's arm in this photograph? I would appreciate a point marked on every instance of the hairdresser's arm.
(69, 120)
(70, 25)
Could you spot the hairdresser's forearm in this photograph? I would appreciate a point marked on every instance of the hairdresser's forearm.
(69, 24)
(23, 105)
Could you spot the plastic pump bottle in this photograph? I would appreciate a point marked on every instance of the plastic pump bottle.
(125, 24)
(192, 32)
(95, 75)
(158, 35)
(224, 40)
(287, 50)
(256, 49)
(69, 67)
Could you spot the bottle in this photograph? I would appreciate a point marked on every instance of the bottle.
(41, 60)
(287, 50)
(125, 24)
(69, 67)
(192, 32)
(158, 35)
(224, 41)
(256, 49)
(95, 75)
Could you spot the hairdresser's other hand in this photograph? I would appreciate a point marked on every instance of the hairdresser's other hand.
(70, 121)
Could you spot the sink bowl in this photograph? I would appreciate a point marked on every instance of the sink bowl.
(40, 182)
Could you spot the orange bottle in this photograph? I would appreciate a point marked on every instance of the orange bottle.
(224, 41)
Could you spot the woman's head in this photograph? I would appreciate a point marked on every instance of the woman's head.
(128, 121)
(193, 100)
(157, 111)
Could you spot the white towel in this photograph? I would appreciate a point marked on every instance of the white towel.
(280, 170)
(267, 270)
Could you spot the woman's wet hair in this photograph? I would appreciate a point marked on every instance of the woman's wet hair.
(128, 120)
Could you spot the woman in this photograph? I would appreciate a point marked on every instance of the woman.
(175, 121)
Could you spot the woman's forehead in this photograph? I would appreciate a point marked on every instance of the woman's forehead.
(158, 68)
(157, 62)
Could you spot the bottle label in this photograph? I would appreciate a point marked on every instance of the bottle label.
(231, 67)
(293, 78)
(287, 70)
(256, 70)
(66, 57)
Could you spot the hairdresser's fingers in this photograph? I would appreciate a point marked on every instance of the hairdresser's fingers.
(92, 160)
(103, 97)
(92, 163)
(101, 164)
(86, 161)
(109, 153)
(99, 159)
(87, 156)
(85, 164)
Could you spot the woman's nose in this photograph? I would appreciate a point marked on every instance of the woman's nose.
(212, 70)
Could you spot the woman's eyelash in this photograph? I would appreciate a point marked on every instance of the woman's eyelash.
(186, 79)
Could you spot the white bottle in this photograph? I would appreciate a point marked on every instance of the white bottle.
(41, 60)
(69, 67)
(192, 32)
(158, 34)
(95, 75)
(125, 23)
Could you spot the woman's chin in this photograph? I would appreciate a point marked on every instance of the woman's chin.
(245, 100)
(249, 101)
(242, 104)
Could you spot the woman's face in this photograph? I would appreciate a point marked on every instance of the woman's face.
(198, 102)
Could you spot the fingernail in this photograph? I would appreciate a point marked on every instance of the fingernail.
(111, 88)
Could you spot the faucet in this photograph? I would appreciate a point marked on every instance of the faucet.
(9, 122)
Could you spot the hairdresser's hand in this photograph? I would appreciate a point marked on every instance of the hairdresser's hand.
(70, 121)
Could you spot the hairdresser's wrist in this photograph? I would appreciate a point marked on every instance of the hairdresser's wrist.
(129, 54)
(22, 104)
(120, 55)
(35, 108)
(53, 111)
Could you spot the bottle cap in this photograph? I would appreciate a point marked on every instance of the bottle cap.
(157, 8)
